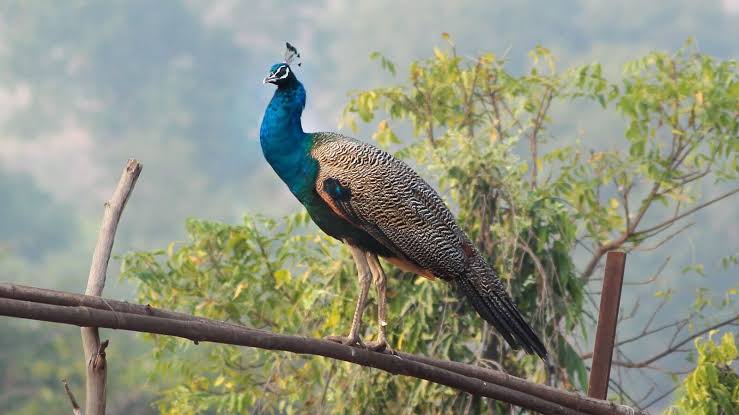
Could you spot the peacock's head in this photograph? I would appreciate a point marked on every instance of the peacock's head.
(280, 74)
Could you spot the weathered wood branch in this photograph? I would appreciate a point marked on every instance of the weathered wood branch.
(76, 309)
(75, 406)
(95, 383)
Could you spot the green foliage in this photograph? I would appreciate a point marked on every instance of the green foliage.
(285, 278)
(527, 210)
(712, 388)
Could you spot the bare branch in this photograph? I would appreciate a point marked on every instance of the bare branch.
(124, 316)
(75, 406)
(676, 348)
(666, 239)
(632, 229)
(538, 123)
(654, 276)
(95, 351)
(676, 218)
(660, 397)
(631, 313)
(625, 199)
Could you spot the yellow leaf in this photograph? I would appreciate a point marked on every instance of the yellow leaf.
(488, 58)
(699, 97)
(680, 197)
(239, 289)
(539, 375)
(282, 276)
(493, 135)
(445, 35)
(439, 54)
(219, 381)
(539, 165)
(335, 317)
(614, 203)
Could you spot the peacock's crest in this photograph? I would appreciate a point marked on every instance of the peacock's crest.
(291, 54)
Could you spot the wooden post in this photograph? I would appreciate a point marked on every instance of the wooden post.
(605, 334)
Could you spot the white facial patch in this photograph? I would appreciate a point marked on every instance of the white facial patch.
(287, 72)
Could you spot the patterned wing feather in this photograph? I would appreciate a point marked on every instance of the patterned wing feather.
(380, 194)
(389, 201)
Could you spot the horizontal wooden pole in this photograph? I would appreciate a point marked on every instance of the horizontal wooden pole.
(81, 310)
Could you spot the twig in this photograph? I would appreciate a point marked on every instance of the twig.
(95, 351)
(654, 276)
(687, 212)
(602, 249)
(660, 397)
(538, 123)
(666, 239)
(75, 406)
(632, 231)
(674, 348)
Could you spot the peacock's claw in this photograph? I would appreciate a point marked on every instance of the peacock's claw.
(379, 346)
(346, 340)
(376, 346)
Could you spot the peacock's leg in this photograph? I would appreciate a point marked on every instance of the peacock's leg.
(380, 282)
(365, 279)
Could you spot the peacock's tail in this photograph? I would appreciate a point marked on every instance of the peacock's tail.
(486, 293)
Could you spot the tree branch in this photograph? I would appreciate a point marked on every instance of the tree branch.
(68, 308)
(631, 230)
(674, 347)
(660, 397)
(95, 351)
(688, 212)
(75, 406)
(538, 123)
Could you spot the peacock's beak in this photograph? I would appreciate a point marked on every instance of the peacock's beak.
(269, 80)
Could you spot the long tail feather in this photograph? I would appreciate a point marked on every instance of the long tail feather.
(487, 295)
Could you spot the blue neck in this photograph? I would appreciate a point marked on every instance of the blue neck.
(284, 144)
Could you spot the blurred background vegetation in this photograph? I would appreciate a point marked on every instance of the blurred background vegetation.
(85, 85)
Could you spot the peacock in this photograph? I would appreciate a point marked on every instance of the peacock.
(379, 207)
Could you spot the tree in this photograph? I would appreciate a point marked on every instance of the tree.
(533, 206)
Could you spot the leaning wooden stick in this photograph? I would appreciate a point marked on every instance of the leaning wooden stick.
(95, 351)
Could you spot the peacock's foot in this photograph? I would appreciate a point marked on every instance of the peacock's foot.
(380, 346)
(346, 340)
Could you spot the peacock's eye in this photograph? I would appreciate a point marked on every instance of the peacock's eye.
(281, 72)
